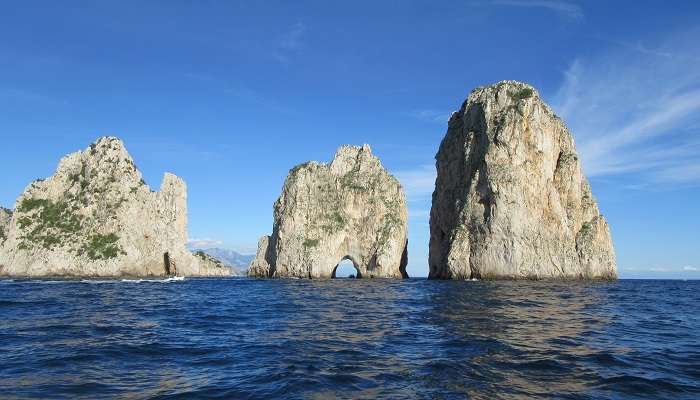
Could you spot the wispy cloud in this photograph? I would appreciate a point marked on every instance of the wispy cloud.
(636, 111)
(25, 96)
(691, 269)
(638, 47)
(238, 91)
(290, 43)
(203, 243)
(564, 8)
(429, 115)
(419, 182)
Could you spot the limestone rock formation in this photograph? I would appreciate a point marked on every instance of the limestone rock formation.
(350, 209)
(511, 200)
(96, 217)
(5, 218)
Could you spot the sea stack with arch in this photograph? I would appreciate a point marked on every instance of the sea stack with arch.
(349, 209)
(511, 200)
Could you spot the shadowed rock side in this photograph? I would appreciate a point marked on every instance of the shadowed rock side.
(96, 217)
(510, 200)
(350, 209)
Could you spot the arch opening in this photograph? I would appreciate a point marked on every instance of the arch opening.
(346, 268)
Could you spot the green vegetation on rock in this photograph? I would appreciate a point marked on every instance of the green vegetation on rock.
(102, 247)
(522, 94)
(206, 257)
(298, 167)
(311, 243)
(333, 222)
(51, 223)
(565, 158)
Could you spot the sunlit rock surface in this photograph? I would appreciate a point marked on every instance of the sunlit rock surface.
(511, 200)
(96, 217)
(351, 208)
(5, 218)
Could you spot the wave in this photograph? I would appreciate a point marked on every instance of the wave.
(380, 339)
(166, 280)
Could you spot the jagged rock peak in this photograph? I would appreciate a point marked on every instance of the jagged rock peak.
(351, 208)
(96, 217)
(511, 200)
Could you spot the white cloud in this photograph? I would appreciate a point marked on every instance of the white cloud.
(419, 182)
(692, 269)
(290, 42)
(204, 243)
(565, 8)
(637, 110)
(429, 115)
(292, 38)
(659, 269)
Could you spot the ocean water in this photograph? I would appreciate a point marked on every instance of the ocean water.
(346, 338)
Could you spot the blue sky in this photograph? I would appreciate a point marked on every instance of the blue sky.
(230, 95)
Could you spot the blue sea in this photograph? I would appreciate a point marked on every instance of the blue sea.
(346, 339)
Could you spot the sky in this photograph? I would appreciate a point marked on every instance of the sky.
(231, 95)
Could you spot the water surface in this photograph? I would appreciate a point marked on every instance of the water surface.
(346, 338)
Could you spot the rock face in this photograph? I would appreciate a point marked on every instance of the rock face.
(5, 218)
(510, 200)
(350, 209)
(96, 217)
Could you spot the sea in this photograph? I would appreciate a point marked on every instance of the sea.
(244, 338)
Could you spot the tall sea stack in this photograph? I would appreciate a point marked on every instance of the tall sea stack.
(96, 217)
(349, 209)
(510, 199)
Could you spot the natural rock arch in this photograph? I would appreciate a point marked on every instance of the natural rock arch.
(357, 274)
(351, 207)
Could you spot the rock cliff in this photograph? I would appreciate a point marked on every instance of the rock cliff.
(510, 199)
(5, 218)
(350, 209)
(96, 217)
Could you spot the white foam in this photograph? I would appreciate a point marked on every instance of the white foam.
(173, 279)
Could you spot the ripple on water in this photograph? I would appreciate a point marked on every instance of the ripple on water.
(240, 338)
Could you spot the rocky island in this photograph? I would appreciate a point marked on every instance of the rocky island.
(510, 199)
(96, 217)
(351, 208)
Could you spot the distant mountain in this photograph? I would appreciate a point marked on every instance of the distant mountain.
(230, 258)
